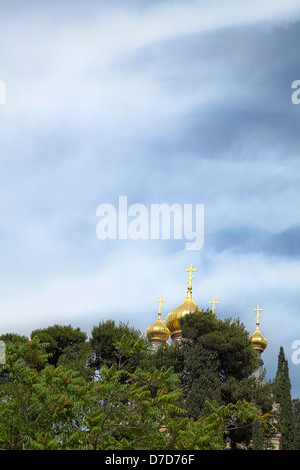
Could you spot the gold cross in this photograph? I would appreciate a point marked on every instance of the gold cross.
(213, 301)
(160, 300)
(257, 310)
(190, 269)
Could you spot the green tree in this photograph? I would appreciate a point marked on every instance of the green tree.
(165, 355)
(103, 340)
(143, 413)
(59, 339)
(133, 413)
(211, 432)
(30, 356)
(56, 409)
(282, 391)
(219, 361)
(13, 337)
(227, 357)
(201, 380)
(296, 408)
(39, 408)
(78, 358)
(53, 408)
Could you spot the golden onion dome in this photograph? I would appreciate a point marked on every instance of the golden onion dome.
(158, 331)
(188, 306)
(258, 341)
(172, 319)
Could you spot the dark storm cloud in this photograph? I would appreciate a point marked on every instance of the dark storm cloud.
(256, 240)
(236, 81)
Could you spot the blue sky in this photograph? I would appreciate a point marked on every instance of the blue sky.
(163, 102)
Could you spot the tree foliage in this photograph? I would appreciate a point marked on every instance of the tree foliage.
(282, 392)
(54, 408)
(59, 339)
(215, 361)
(103, 342)
(62, 390)
(296, 409)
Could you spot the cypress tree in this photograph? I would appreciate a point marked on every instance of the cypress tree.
(296, 407)
(283, 397)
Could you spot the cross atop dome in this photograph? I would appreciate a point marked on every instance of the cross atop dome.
(257, 310)
(190, 270)
(160, 300)
(257, 339)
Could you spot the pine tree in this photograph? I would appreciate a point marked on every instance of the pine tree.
(103, 340)
(219, 362)
(282, 390)
(59, 339)
(201, 380)
(227, 357)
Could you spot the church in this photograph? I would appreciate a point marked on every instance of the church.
(169, 329)
(160, 332)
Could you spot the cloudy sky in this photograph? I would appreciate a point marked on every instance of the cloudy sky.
(161, 102)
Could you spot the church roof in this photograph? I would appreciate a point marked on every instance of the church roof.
(172, 319)
(158, 331)
(258, 341)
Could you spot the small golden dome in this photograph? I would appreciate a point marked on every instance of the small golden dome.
(158, 331)
(172, 320)
(258, 341)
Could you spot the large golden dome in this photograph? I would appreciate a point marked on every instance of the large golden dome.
(172, 320)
